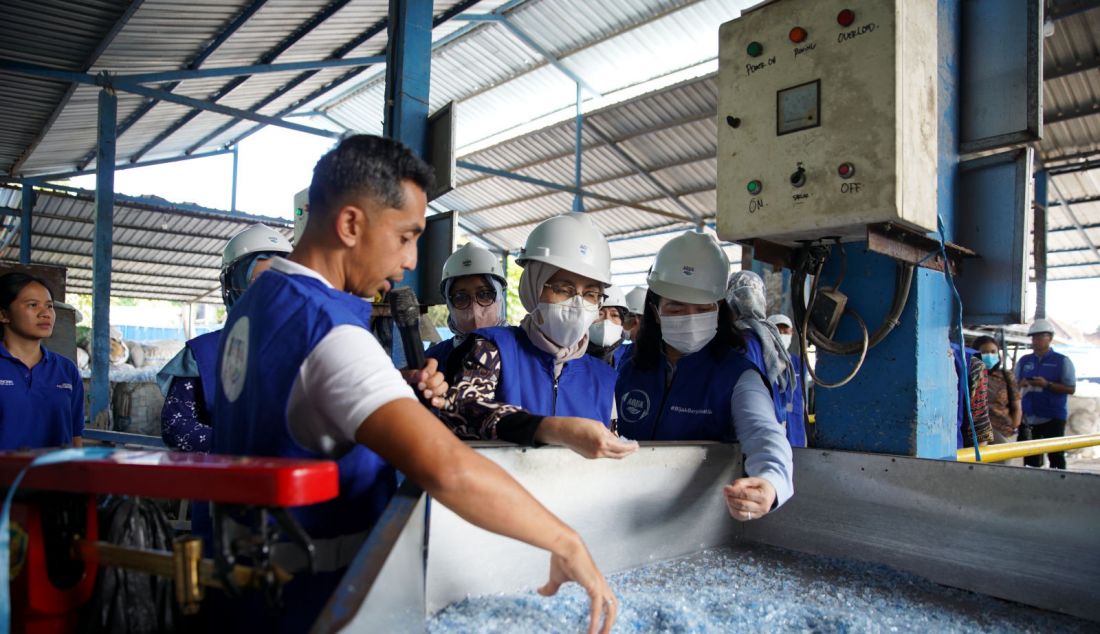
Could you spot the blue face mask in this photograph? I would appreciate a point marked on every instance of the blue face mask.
(990, 359)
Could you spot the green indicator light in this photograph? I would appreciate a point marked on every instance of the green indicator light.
(755, 49)
(754, 187)
(298, 211)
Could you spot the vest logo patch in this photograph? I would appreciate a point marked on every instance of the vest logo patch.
(65, 386)
(634, 406)
(7, 382)
(235, 360)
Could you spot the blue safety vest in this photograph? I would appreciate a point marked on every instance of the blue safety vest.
(585, 387)
(796, 413)
(205, 350)
(284, 317)
(1044, 403)
(694, 406)
(754, 352)
(620, 352)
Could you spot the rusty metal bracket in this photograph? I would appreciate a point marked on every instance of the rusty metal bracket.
(914, 247)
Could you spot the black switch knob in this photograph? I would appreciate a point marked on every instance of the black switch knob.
(733, 122)
(798, 178)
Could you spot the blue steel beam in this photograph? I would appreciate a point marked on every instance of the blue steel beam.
(57, 176)
(449, 14)
(340, 52)
(304, 29)
(25, 222)
(101, 252)
(228, 31)
(153, 204)
(569, 189)
(578, 146)
(522, 36)
(236, 165)
(64, 101)
(255, 69)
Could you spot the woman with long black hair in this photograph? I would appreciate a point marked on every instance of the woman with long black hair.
(41, 392)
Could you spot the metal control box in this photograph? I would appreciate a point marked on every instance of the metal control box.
(827, 119)
(301, 213)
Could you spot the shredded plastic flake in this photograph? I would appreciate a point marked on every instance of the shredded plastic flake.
(760, 589)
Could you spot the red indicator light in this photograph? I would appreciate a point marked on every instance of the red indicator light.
(846, 17)
(798, 35)
(846, 170)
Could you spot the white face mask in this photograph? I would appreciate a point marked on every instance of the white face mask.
(689, 333)
(786, 339)
(604, 333)
(565, 323)
(476, 316)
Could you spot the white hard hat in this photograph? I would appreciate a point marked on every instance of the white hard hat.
(779, 319)
(615, 298)
(471, 259)
(690, 268)
(571, 243)
(635, 300)
(259, 238)
(1041, 326)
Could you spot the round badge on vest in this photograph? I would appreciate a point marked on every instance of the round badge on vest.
(235, 360)
(635, 406)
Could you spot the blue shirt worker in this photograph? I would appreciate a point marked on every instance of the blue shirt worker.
(187, 381)
(689, 377)
(41, 392)
(1046, 380)
(534, 383)
(301, 376)
(796, 410)
(607, 335)
(473, 286)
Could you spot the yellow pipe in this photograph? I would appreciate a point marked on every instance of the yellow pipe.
(1007, 451)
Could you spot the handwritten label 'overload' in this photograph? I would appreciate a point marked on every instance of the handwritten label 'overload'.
(854, 33)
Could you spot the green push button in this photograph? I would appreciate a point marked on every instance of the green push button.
(755, 49)
(754, 187)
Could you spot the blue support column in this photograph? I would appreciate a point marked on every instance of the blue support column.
(233, 196)
(904, 400)
(408, 81)
(578, 200)
(101, 252)
(25, 223)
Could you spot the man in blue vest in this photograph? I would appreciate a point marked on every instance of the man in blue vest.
(1046, 380)
(301, 376)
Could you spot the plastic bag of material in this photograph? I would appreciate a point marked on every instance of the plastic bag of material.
(127, 602)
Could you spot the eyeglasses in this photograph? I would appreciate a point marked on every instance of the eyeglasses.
(563, 292)
(484, 297)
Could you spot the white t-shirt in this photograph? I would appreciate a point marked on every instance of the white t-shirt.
(346, 378)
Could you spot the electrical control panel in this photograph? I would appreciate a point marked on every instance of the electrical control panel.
(301, 213)
(827, 119)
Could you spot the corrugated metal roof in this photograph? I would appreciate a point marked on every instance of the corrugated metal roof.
(160, 250)
(156, 35)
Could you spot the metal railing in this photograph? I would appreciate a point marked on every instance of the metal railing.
(1007, 451)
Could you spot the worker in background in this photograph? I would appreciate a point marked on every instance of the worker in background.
(746, 296)
(796, 410)
(690, 378)
(300, 376)
(978, 383)
(533, 383)
(41, 392)
(1046, 380)
(473, 286)
(1005, 411)
(606, 338)
(635, 306)
(187, 381)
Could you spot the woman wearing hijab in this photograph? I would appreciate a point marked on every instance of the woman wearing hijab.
(189, 380)
(690, 377)
(533, 383)
(796, 409)
(607, 336)
(473, 285)
(746, 297)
